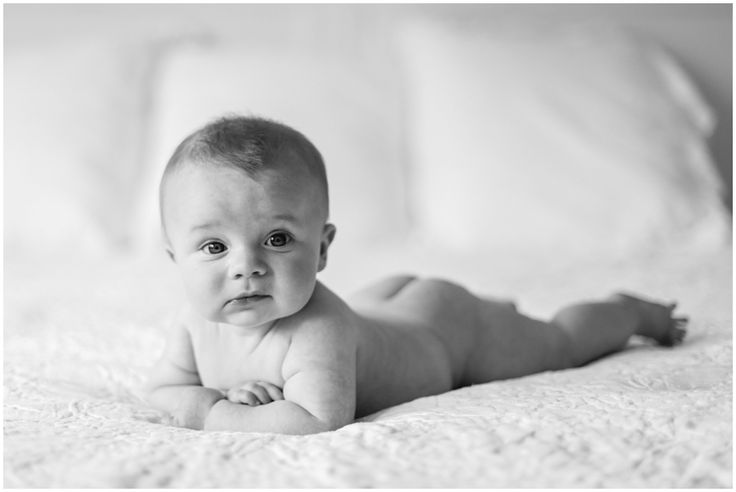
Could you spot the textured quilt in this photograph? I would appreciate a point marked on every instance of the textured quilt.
(79, 337)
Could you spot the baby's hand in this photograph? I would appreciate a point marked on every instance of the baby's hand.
(255, 393)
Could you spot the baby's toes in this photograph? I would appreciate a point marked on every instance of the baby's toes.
(677, 335)
(671, 307)
(676, 332)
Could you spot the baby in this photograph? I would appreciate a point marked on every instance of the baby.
(265, 347)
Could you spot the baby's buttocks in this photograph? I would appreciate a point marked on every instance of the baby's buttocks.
(434, 304)
(431, 300)
(436, 312)
(226, 359)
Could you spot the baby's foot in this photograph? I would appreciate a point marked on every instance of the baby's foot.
(657, 321)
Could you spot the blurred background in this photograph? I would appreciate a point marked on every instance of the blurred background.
(97, 96)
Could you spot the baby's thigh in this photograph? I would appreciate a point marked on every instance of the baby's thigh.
(510, 344)
(485, 339)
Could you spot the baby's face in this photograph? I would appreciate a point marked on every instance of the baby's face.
(248, 249)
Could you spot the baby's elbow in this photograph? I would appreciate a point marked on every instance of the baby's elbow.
(317, 426)
(314, 424)
(332, 421)
(331, 424)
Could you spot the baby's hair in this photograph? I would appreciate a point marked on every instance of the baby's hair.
(249, 143)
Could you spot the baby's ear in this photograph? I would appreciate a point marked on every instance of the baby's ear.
(328, 235)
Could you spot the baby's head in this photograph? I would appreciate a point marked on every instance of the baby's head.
(244, 211)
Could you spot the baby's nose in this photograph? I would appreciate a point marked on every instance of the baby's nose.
(247, 264)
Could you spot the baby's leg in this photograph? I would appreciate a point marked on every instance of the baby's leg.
(596, 329)
(514, 345)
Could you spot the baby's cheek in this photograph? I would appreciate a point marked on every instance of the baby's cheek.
(301, 280)
(201, 290)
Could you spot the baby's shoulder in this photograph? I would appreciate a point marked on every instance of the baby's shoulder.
(326, 314)
(326, 303)
(323, 334)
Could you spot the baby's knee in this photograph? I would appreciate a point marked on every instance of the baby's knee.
(562, 350)
(572, 315)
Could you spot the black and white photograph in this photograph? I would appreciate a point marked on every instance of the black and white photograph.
(335, 245)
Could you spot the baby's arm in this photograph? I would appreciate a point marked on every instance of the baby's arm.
(174, 384)
(319, 389)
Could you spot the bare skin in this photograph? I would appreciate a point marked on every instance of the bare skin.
(264, 347)
(443, 337)
(411, 337)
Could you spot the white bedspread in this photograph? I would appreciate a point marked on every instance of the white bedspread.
(78, 338)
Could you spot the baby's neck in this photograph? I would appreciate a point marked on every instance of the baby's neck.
(247, 334)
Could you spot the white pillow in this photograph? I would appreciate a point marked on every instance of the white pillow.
(556, 140)
(72, 116)
(346, 111)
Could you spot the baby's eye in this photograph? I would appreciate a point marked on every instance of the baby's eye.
(278, 240)
(214, 248)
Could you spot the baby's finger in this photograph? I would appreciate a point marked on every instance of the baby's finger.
(273, 391)
(239, 395)
(260, 393)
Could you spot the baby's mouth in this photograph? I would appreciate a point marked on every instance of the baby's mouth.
(246, 299)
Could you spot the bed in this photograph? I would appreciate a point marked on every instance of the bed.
(645, 417)
(597, 179)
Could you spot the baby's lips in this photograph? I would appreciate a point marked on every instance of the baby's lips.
(245, 299)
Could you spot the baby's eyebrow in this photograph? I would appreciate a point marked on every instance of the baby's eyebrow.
(206, 225)
(287, 217)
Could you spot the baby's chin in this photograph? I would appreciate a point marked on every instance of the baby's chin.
(255, 314)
